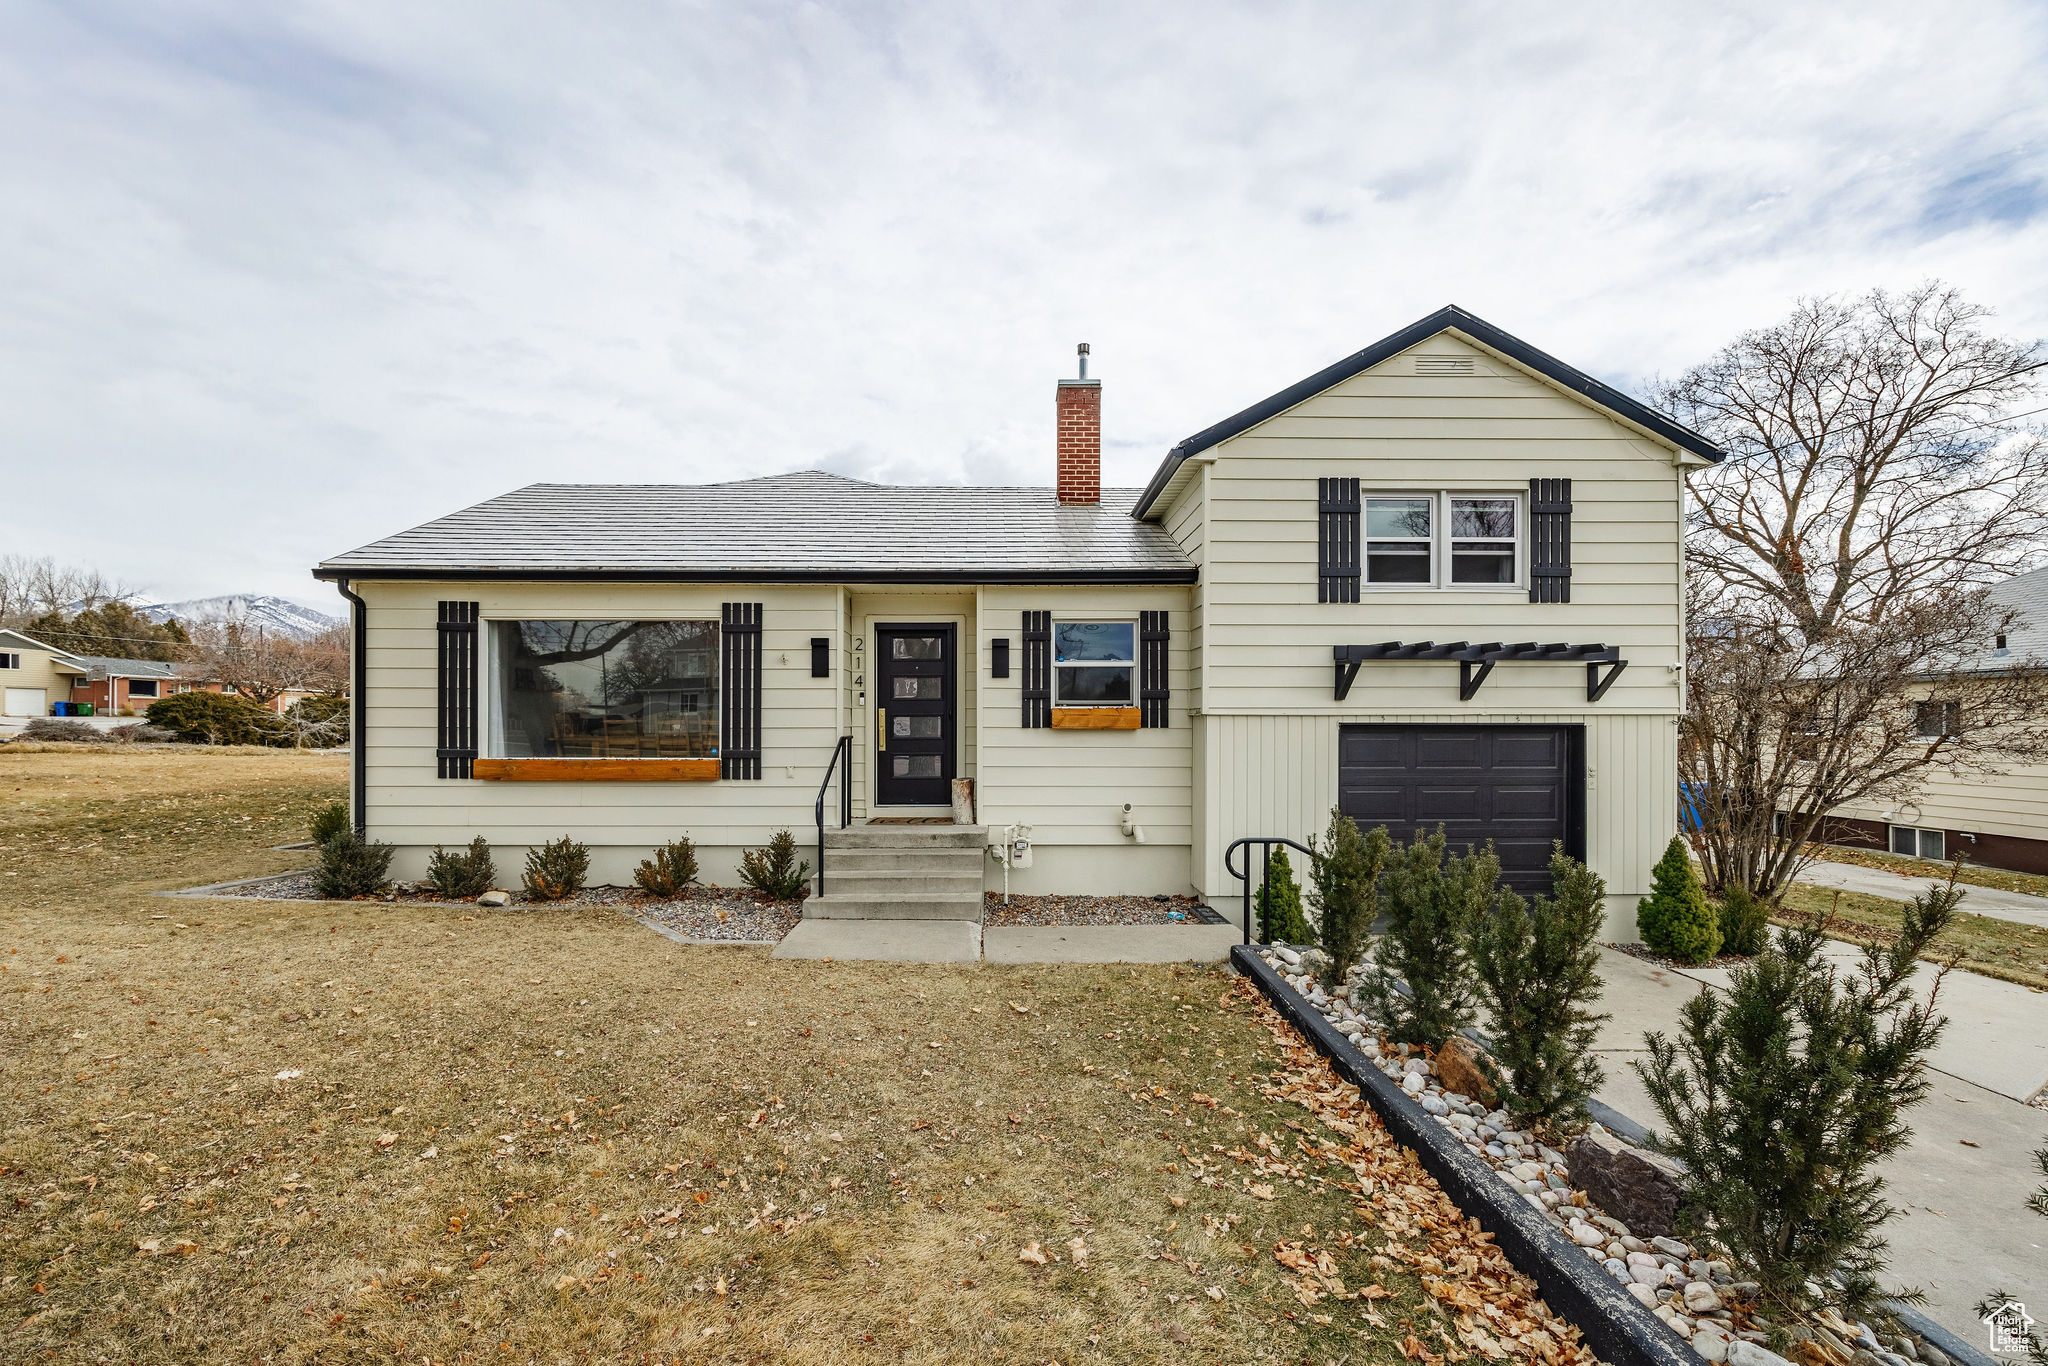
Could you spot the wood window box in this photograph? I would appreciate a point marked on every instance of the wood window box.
(597, 770)
(1094, 718)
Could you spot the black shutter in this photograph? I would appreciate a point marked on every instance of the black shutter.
(455, 690)
(999, 657)
(739, 697)
(1550, 540)
(1152, 694)
(1337, 540)
(1037, 688)
(821, 656)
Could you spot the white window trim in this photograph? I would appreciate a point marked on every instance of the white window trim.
(489, 741)
(1919, 834)
(1053, 651)
(9, 660)
(1440, 541)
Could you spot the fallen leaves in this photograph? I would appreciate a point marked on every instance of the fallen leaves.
(1034, 1254)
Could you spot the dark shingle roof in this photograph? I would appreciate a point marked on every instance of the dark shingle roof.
(1449, 318)
(812, 526)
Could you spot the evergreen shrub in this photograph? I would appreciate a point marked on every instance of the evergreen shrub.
(1432, 902)
(1675, 919)
(1538, 965)
(213, 718)
(1278, 904)
(1745, 924)
(352, 866)
(774, 871)
(556, 870)
(673, 867)
(464, 873)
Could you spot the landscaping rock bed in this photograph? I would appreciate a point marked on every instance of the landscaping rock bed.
(1702, 1299)
(724, 914)
(1097, 910)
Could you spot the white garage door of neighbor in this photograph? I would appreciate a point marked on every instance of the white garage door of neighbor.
(25, 702)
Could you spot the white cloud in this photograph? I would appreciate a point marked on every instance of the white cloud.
(279, 282)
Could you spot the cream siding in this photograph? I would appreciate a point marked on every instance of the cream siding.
(1069, 786)
(2013, 803)
(1267, 739)
(410, 806)
(38, 671)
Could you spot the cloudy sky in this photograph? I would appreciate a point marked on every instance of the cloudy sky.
(283, 278)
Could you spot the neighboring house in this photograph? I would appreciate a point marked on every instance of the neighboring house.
(113, 685)
(135, 683)
(34, 676)
(1407, 586)
(1996, 818)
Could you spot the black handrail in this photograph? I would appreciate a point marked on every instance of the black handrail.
(842, 750)
(1266, 842)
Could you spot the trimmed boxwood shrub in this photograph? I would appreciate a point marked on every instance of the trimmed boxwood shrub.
(212, 718)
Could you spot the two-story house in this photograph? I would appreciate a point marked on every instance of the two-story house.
(34, 675)
(1436, 582)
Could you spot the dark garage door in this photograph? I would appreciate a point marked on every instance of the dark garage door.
(1519, 786)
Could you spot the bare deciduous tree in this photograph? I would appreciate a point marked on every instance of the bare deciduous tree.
(1781, 732)
(1876, 456)
(263, 665)
(32, 587)
(1878, 479)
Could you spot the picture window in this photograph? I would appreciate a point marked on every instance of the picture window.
(604, 689)
(142, 687)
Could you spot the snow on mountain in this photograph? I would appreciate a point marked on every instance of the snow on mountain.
(248, 609)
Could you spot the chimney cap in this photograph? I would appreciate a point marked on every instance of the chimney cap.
(1082, 352)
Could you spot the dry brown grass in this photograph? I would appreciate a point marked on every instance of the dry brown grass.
(1984, 944)
(259, 1131)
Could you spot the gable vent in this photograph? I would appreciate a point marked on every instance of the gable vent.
(1445, 365)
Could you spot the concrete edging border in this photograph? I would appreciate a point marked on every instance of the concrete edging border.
(1616, 1327)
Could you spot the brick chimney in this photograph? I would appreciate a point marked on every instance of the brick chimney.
(1079, 407)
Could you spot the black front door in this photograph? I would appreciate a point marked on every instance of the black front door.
(914, 715)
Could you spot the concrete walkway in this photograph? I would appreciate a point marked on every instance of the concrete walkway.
(1962, 1229)
(1991, 901)
(965, 941)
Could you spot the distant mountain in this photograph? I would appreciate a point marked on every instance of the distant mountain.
(248, 609)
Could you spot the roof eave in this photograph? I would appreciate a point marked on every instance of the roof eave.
(358, 573)
(1471, 328)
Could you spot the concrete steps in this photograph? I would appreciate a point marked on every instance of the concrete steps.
(902, 872)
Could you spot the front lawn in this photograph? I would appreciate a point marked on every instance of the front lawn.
(1993, 947)
(244, 1131)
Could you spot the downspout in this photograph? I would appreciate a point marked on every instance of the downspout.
(358, 703)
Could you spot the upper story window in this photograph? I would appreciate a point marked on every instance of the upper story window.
(1427, 540)
(1093, 663)
(1932, 720)
(10, 661)
(604, 689)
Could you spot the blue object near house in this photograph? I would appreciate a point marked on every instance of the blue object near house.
(1689, 806)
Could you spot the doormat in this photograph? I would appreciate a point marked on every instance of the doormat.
(910, 820)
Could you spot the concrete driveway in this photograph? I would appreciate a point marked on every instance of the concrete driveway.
(1991, 901)
(1962, 1229)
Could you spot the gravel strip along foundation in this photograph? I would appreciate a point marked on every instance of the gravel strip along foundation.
(1096, 910)
(725, 914)
(1703, 1300)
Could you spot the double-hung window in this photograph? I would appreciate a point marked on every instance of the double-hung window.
(604, 689)
(10, 661)
(1094, 663)
(1429, 540)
